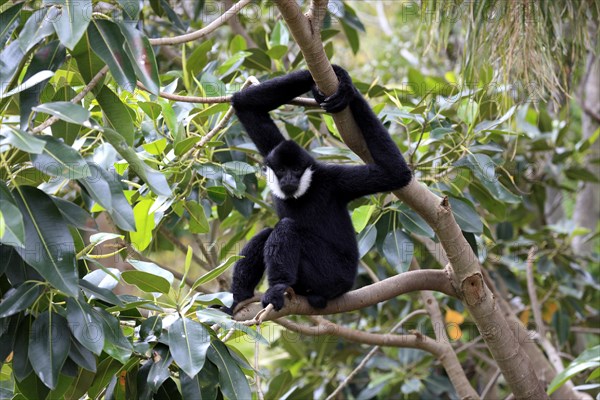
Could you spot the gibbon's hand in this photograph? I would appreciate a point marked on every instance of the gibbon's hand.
(342, 97)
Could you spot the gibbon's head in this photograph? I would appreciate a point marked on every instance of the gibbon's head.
(289, 170)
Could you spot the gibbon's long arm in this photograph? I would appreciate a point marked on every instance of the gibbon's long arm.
(252, 106)
(389, 170)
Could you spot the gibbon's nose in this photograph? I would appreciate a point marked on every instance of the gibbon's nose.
(288, 188)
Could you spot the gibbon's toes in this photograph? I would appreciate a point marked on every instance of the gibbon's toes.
(275, 298)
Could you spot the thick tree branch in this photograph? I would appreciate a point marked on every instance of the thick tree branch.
(386, 289)
(513, 361)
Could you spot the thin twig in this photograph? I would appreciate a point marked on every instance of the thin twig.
(370, 355)
(183, 248)
(298, 101)
(491, 383)
(200, 33)
(535, 306)
(92, 84)
(259, 391)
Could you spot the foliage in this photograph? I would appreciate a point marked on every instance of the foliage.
(73, 322)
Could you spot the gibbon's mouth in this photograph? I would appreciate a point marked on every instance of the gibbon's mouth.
(303, 186)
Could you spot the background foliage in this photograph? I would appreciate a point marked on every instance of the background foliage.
(118, 221)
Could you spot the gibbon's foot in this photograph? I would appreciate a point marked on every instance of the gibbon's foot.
(316, 301)
(275, 295)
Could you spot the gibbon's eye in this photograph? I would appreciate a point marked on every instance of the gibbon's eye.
(297, 169)
(280, 170)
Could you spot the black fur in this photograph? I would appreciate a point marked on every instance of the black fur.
(313, 247)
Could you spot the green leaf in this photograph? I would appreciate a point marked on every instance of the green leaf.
(152, 268)
(47, 58)
(115, 114)
(155, 179)
(186, 266)
(159, 371)
(37, 27)
(108, 368)
(157, 147)
(239, 168)
(14, 229)
(467, 218)
(198, 221)
(151, 328)
(108, 192)
(61, 129)
(107, 42)
(147, 282)
(232, 380)
(22, 140)
(280, 35)
(19, 299)
(209, 276)
(366, 240)
(189, 341)
(31, 388)
(11, 57)
(144, 223)
(82, 356)
(88, 63)
(75, 215)
(115, 343)
(413, 222)
(9, 20)
(99, 292)
(72, 20)
(60, 160)
(361, 216)
(86, 325)
(49, 344)
(398, 250)
(140, 53)
(218, 194)
(589, 359)
(21, 365)
(259, 60)
(49, 246)
(279, 386)
(352, 36)
(66, 111)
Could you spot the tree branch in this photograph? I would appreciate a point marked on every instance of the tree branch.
(200, 33)
(366, 296)
(465, 268)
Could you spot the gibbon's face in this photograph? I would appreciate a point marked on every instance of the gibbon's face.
(289, 170)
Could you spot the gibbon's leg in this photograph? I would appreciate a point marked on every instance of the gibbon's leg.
(282, 258)
(249, 270)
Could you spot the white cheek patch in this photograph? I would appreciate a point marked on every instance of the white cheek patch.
(305, 181)
(273, 183)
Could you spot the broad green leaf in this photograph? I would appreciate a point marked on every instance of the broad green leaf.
(108, 192)
(218, 194)
(107, 42)
(115, 343)
(159, 371)
(352, 36)
(398, 250)
(361, 216)
(191, 389)
(14, 229)
(22, 140)
(232, 380)
(467, 218)
(589, 359)
(259, 60)
(86, 325)
(212, 316)
(61, 129)
(60, 160)
(366, 239)
(66, 111)
(209, 276)
(280, 35)
(103, 294)
(115, 114)
(279, 385)
(71, 20)
(49, 344)
(82, 356)
(152, 268)
(88, 63)
(155, 179)
(147, 282)
(9, 20)
(189, 341)
(237, 43)
(31, 388)
(151, 328)
(413, 222)
(75, 215)
(34, 80)
(186, 265)
(155, 148)
(140, 53)
(108, 368)
(238, 168)
(37, 27)
(11, 56)
(144, 224)
(48, 58)
(49, 246)
(20, 364)
(20, 298)
(198, 221)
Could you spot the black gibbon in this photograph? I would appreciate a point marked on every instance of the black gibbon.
(313, 247)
